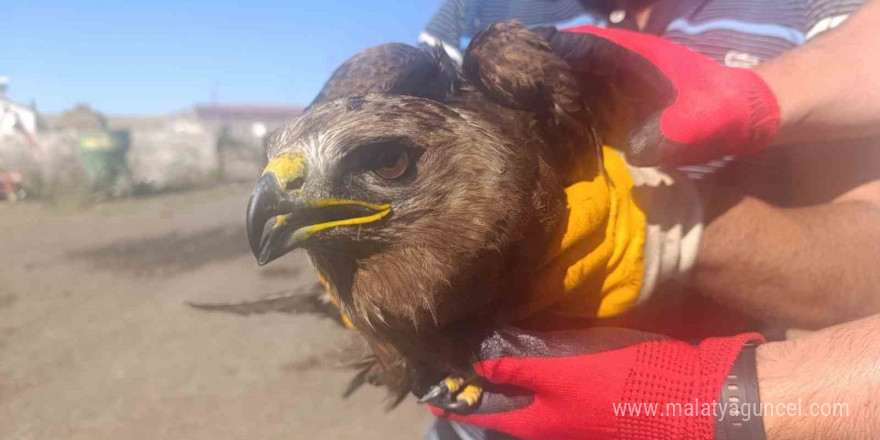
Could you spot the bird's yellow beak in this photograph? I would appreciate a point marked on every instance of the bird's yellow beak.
(279, 197)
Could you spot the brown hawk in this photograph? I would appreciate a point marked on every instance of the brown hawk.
(427, 196)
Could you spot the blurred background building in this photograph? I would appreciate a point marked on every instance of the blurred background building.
(83, 151)
(241, 131)
(15, 117)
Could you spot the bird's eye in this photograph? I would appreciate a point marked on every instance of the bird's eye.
(391, 163)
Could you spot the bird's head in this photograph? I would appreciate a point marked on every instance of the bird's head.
(400, 202)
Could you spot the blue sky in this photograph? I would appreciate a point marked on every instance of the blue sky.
(161, 56)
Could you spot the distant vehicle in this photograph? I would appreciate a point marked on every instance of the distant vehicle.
(11, 188)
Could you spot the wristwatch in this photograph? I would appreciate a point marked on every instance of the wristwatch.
(740, 415)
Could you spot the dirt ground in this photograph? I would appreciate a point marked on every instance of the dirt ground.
(97, 343)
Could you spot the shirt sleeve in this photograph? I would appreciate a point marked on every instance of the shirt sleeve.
(447, 28)
(824, 15)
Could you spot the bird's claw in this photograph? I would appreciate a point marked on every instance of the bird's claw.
(454, 394)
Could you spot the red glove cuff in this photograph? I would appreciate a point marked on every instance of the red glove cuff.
(668, 374)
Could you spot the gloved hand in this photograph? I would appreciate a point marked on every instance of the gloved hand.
(565, 385)
(679, 106)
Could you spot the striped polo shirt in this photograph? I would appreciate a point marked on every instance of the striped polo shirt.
(739, 33)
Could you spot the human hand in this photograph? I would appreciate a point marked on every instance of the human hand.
(574, 384)
(676, 106)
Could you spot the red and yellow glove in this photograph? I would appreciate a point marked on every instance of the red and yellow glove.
(686, 108)
(579, 384)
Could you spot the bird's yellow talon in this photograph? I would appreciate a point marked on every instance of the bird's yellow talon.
(454, 394)
(470, 395)
(453, 384)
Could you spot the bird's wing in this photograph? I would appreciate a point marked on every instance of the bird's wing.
(622, 89)
(309, 300)
(393, 68)
(517, 68)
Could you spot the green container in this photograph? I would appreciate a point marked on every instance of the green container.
(103, 156)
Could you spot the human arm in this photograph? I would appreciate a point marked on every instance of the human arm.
(446, 28)
(829, 88)
(808, 267)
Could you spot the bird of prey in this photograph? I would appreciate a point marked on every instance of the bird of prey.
(428, 196)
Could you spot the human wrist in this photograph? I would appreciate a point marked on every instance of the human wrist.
(790, 382)
(794, 102)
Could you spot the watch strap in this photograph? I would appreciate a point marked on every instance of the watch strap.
(740, 390)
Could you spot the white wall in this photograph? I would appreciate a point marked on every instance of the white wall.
(10, 113)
